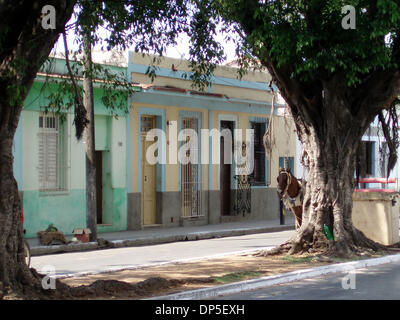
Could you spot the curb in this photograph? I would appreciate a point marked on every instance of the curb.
(43, 250)
(193, 236)
(264, 282)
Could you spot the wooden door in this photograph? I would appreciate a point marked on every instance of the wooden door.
(225, 171)
(99, 186)
(148, 176)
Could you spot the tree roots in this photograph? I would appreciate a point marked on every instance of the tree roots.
(98, 289)
(355, 244)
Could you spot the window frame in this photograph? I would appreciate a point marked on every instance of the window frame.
(263, 182)
(50, 123)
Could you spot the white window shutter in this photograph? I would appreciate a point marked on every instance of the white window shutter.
(42, 161)
(51, 157)
(48, 154)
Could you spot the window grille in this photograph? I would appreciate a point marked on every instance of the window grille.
(190, 182)
(258, 175)
(51, 153)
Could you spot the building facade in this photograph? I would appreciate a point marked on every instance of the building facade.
(170, 120)
(374, 159)
(49, 163)
(144, 179)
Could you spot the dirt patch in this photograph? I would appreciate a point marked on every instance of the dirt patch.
(167, 279)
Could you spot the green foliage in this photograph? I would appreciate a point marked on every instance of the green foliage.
(115, 89)
(237, 276)
(14, 70)
(308, 35)
(305, 36)
(148, 26)
(153, 26)
(295, 259)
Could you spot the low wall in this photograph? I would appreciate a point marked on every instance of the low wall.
(376, 214)
(264, 206)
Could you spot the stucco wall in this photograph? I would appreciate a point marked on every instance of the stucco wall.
(265, 204)
(254, 85)
(245, 100)
(66, 209)
(376, 214)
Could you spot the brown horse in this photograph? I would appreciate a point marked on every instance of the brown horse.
(291, 192)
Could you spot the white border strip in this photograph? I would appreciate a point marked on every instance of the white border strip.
(264, 282)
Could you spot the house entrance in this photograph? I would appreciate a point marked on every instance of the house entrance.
(99, 186)
(190, 181)
(226, 143)
(148, 174)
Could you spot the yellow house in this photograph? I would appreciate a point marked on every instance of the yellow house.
(184, 147)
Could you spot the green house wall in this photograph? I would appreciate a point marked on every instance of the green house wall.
(67, 209)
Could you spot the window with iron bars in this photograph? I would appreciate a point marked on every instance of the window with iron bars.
(52, 153)
(191, 182)
(258, 175)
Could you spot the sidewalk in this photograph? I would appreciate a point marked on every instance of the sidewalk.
(157, 235)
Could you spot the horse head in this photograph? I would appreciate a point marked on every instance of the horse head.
(283, 179)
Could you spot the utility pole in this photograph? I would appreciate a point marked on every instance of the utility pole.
(88, 102)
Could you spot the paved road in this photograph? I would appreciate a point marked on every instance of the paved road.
(372, 283)
(79, 263)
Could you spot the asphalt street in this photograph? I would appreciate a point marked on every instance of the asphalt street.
(108, 260)
(373, 283)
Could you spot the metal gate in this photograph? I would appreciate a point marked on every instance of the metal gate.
(190, 178)
(242, 198)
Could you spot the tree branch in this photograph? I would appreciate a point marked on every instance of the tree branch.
(71, 74)
(80, 118)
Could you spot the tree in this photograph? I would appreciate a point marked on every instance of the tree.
(335, 80)
(24, 47)
(88, 102)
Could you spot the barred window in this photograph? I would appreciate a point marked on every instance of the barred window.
(51, 153)
(369, 157)
(258, 174)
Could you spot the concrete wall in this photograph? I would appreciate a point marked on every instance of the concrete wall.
(65, 209)
(376, 214)
(264, 206)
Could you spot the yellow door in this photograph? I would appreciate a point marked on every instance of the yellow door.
(148, 176)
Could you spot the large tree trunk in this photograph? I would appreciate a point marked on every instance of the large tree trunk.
(12, 264)
(330, 116)
(23, 49)
(328, 200)
(329, 151)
